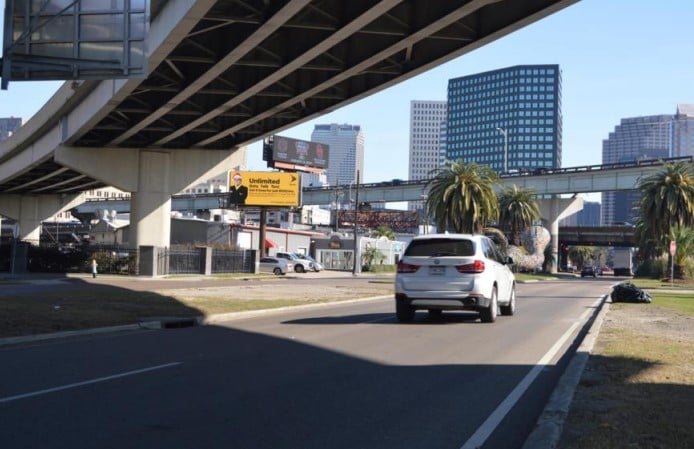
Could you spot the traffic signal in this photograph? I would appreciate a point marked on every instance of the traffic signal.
(267, 149)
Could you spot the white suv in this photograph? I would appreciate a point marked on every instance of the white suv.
(454, 272)
(300, 265)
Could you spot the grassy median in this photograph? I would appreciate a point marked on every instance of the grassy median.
(638, 387)
(102, 306)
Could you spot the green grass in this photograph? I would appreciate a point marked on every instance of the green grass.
(682, 303)
(657, 283)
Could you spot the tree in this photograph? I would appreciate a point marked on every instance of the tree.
(667, 202)
(461, 196)
(371, 256)
(518, 209)
(384, 231)
(580, 255)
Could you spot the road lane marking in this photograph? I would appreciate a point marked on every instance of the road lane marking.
(482, 433)
(86, 382)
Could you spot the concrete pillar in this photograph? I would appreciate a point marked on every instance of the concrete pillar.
(205, 260)
(553, 210)
(151, 177)
(150, 204)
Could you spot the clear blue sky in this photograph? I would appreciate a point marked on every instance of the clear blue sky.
(619, 58)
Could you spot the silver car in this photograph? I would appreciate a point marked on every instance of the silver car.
(275, 265)
(441, 272)
(317, 266)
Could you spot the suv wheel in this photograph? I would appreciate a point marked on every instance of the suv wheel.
(510, 308)
(404, 312)
(488, 315)
(299, 268)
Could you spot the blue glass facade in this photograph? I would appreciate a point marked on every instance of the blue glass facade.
(517, 108)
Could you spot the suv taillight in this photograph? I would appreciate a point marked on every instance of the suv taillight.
(474, 267)
(407, 267)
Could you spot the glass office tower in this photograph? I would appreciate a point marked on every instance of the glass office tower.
(346, 154)
(649, 137)
(509, 119)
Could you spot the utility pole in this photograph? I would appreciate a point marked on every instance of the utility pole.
(356, 220)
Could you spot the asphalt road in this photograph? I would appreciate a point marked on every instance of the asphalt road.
(338, 376)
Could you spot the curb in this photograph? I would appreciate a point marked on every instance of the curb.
(549, 426)
(54, 335)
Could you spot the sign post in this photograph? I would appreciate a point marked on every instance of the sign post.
(673, 250)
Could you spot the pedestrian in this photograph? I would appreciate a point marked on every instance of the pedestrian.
(94, 265)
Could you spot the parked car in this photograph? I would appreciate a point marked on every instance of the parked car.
(300, 265)
(440, 272)
(317, 266)
(275, 265)
(588, 270)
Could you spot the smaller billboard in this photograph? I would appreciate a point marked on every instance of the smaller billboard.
(299, 152)
(255, 188)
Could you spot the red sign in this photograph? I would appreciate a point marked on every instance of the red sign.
(673, 248)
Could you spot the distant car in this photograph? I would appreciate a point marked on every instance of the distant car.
(300, 265)
(275, 265)
(441, 272)
(588, 271)
(317, 266)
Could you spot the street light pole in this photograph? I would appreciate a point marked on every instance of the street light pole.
(505, 133)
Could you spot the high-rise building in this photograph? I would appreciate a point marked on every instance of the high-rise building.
(588, 216)
(683, 131)
(427, 124)
(427, 121)
(9, 125)
(509, 119)
(346, 153)
(633, 139)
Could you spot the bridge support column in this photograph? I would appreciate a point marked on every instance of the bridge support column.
(30, 210)
(152, 177)
(553, 210)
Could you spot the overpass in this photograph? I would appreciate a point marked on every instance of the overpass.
(222, 75)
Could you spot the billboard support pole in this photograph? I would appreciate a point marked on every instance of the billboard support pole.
(261, 232)
(356, 263)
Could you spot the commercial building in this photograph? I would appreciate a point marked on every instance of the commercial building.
(509, 119)
(8, 126)
(649, 137)
(346, 153)
(682, 126)
(427, 132)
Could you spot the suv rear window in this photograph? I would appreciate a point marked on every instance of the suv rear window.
(440, 248)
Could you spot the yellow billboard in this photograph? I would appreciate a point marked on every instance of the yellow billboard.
(257, 188)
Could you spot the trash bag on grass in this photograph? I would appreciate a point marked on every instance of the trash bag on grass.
(628, 292)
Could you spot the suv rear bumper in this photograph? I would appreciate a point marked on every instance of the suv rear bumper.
(470, 302)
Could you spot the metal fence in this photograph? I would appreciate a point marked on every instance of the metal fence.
(124, 261)
(178, 261)
(227, 261)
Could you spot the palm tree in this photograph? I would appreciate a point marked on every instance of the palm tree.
(518, 209)
(667, 202)
(384, 231)
(461, 196)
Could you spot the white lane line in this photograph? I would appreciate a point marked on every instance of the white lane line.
(86, 382)
(482, 433)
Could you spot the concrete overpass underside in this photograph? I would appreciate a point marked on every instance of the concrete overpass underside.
(224, 74)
